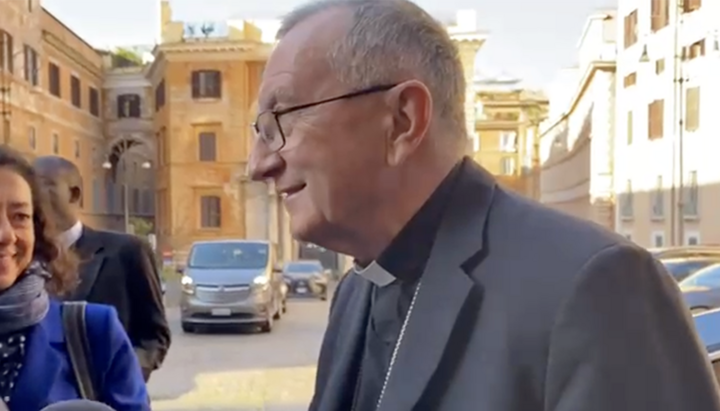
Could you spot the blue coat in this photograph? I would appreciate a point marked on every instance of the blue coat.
(47, 376)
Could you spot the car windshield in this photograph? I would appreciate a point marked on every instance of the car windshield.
(229, 255)
(705, 277)
(708, 328)
(303, 267)
(681, 269)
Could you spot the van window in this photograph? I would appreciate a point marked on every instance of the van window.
(229, 255)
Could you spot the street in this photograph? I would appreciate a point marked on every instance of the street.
(243, 370)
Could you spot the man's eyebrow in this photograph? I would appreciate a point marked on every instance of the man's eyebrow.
(19, 205)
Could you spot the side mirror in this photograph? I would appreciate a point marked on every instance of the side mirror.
(180, 270)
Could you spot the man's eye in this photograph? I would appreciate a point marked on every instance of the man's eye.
(22, 217)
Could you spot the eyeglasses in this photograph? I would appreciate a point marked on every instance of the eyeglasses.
(267, 126)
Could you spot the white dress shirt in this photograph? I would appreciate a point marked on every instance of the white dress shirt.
(71, 235)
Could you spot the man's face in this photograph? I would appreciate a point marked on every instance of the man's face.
(331, 165)
(59, 192)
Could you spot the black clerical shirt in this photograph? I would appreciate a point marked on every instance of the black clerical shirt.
(405, 259)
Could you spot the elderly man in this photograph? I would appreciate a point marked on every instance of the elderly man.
(465, 296)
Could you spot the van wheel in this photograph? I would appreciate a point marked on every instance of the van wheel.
(187, 328)
(267, 326)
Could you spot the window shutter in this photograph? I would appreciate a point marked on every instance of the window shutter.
(195, 84)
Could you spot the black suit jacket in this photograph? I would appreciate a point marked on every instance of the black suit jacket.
(521, 308)
(118, 269)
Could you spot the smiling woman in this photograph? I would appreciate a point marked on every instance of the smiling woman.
(36, 367)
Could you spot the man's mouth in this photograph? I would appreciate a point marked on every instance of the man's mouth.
(291, 191)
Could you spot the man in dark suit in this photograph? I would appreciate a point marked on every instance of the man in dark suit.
(465, 296)
(116, 269)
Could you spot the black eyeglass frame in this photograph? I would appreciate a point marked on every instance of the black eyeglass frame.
(278, 113)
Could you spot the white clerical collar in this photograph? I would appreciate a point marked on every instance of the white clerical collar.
(71, 235)
(374, 273)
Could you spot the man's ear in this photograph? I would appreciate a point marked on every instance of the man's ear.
(412, 106)
(75, 195)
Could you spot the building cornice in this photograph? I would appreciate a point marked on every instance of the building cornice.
(50, 39)
(585, 81)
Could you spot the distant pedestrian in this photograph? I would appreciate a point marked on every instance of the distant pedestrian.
(40, 351)
(117, 269)
(465, 296)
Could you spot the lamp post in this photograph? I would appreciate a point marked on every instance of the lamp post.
(125, 186)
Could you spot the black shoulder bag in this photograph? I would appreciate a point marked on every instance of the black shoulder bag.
(73, 317)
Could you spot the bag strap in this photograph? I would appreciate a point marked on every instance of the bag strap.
(73, 316)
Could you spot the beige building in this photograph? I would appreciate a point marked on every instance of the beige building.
(666, 150)
(507, 119)
(52, 84)
(576, 142)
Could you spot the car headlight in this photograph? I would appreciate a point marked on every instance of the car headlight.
(187, 285)
(261, 281)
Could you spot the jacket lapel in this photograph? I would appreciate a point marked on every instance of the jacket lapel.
(42, 363)
(349, 345)
(89, 248)
(445, 288)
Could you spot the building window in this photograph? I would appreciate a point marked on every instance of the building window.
(692, 194)
(658, 239)
(30, 4)
(75, 92)
(656, 118)
(32, 139)
(507, 166)
(659, 14)
(128, 106)
(97, 195)
(691, 5)
(30, 72)
(160, 96)
(692, 108)
(630, 32)
(7, 52)
(55, 143)
(210, 212)
(54, 80)
(659, 66)
(694, 50)
(630, 127)
(207, 144)
(692, 238)
(206, 84)
(630, 80)
(76, 148)
(657, 200)
(626, 201)
(508, 142)
(94, 98)
(135, 201)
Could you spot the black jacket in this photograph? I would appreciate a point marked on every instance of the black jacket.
(119, 270)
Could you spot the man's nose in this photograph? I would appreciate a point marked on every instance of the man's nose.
(7, 232)
(263, 163)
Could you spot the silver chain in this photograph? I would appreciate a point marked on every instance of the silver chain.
(398, 343)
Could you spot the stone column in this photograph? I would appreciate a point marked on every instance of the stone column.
(468, 50)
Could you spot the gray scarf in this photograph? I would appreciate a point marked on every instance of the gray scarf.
(25, 303)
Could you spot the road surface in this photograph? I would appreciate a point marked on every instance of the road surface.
(243, 370)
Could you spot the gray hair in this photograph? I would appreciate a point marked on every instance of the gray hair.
(389, 41)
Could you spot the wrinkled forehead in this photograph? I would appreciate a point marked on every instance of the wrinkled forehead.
(298, 69)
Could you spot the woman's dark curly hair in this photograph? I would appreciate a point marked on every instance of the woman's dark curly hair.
(60, 262)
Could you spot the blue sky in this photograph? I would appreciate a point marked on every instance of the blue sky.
(529, 39)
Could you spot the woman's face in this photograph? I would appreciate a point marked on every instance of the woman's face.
(17, 235)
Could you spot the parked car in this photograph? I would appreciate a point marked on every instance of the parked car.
(306, 277)
(701, 290)
(682, 267)
(707, 325)
(231, 282)
(685, 251)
